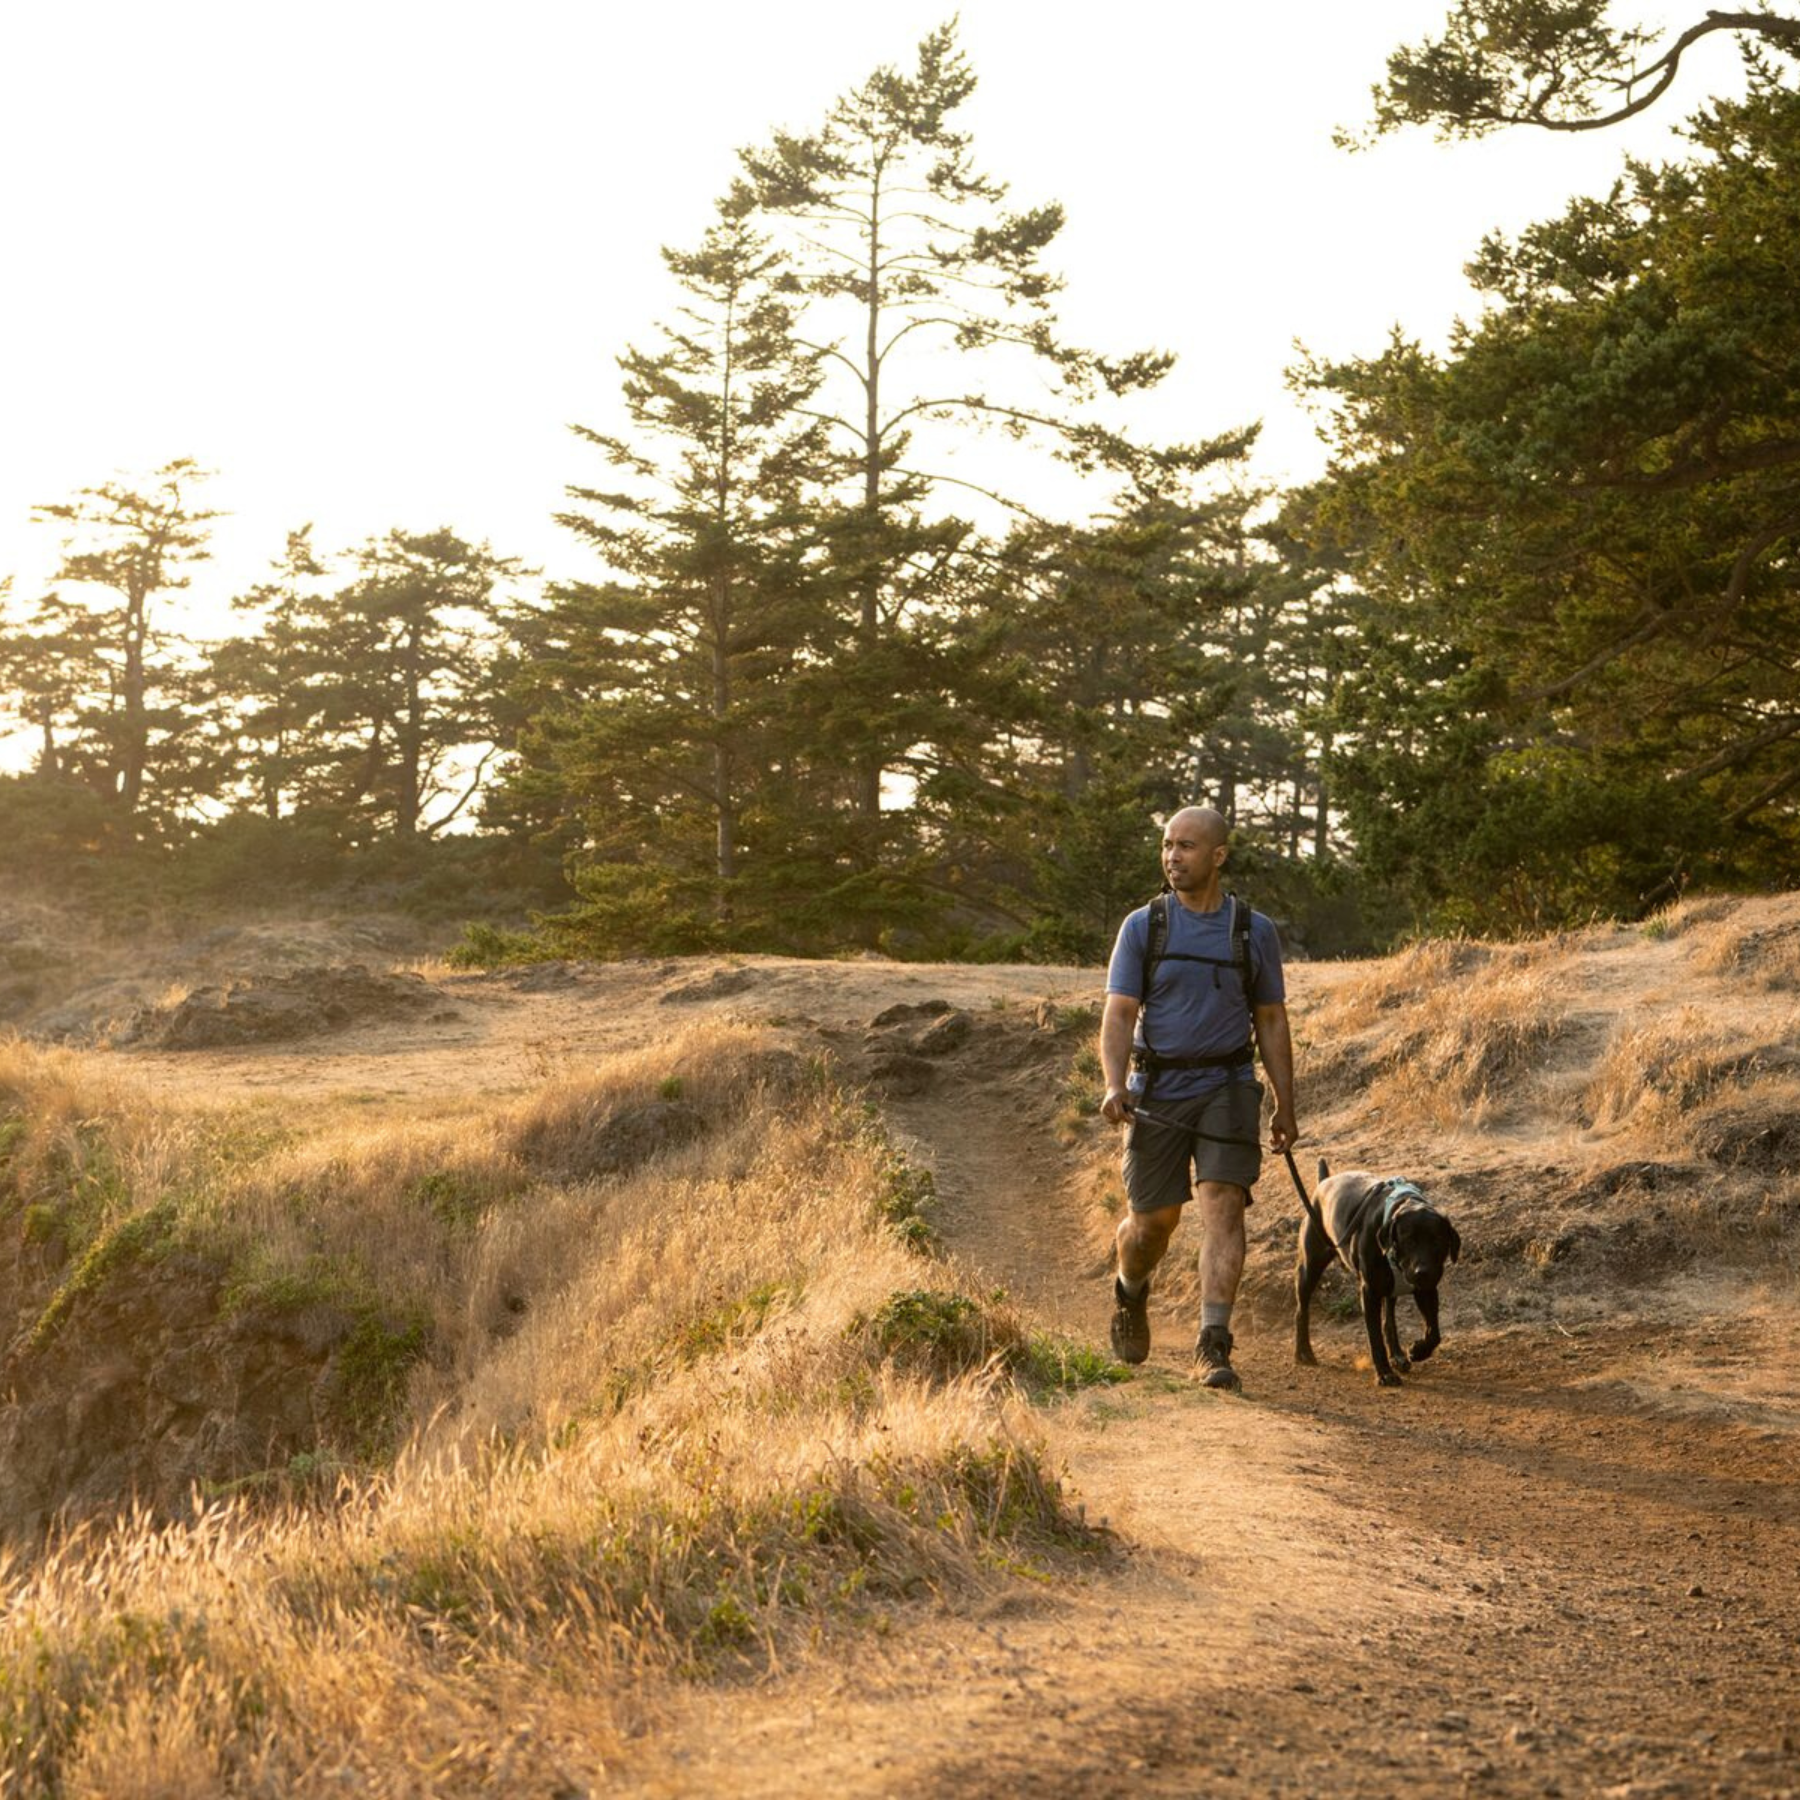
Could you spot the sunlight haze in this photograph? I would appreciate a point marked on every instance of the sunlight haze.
(369, 262)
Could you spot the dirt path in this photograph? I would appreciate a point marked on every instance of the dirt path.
(1563, 1560)
(1556, 1563)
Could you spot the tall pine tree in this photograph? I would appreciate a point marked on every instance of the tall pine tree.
(137, 712)
(661, 697)
(932, 309)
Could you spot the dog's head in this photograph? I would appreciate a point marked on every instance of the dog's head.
(1419, 1241)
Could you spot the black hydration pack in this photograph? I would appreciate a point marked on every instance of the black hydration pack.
(1156, 950)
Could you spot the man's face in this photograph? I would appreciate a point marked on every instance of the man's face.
(1189, 856)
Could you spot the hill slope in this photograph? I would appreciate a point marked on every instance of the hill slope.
(1562, 1556)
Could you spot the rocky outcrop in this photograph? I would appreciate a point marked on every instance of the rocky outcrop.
(279, 1008)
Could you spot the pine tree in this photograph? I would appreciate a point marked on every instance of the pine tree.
(911, 263)
(137, 709)
(660, 697)
(400, 671)
(263, 676)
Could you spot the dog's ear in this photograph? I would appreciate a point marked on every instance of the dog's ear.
(1455, 1241)
(1324, 1169)
(1384, 1236)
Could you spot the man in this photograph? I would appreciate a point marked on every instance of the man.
(1183, 1051)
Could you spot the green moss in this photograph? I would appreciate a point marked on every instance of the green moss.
(257, 1285)
(372, 1365)
(42, 1224)
(141, 1237)
(1062, 1365)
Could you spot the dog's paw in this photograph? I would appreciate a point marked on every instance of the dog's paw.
(1306, 1359)
(1422, 1349)
(1387, 1378)
(1402, 1363)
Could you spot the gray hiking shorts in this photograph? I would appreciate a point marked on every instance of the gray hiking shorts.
(1158, 1158)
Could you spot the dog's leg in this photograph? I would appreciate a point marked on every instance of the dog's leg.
(1426, 1300)
(1391, 1333)
(1372, 1300)
(1309, 1270)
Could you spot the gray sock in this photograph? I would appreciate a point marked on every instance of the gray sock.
(1215, 1312)
(1131, 1289)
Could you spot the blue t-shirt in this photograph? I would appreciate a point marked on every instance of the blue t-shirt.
(1195, 1008)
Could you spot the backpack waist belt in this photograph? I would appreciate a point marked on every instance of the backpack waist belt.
(1142, 1058)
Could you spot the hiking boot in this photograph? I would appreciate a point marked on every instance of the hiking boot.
(1130, 1324)
(1213, 1356)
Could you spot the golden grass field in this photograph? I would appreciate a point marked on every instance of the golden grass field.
(678, 1379)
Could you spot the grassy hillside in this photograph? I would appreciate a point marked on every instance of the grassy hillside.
(648, 1370)
(419, 1406)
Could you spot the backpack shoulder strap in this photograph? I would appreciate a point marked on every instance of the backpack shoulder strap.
(1241, 919)
(1156, 942)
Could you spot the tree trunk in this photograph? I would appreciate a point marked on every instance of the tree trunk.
(725, 813)
(410, 740)
(134, 746)
(868, 777)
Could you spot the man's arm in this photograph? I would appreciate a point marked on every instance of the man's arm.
(1117, 1023)
(1276, 1045)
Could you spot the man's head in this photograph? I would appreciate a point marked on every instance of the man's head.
(1193, 848)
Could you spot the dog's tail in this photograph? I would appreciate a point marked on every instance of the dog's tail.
(1324, 1169)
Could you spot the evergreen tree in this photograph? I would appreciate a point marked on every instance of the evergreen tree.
(137, 709)
(264, 679)
(400, 673)
(1122, 646)
(915, 270)
(1587, 515)
(1562, 65)
(660, 699)
(42, 656)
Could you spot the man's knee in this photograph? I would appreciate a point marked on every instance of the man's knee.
(1150, 1230)
(1221, 1205)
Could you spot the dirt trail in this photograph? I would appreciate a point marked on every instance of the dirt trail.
(1558, 1561)
(1562, 1560)
(1510, 1577)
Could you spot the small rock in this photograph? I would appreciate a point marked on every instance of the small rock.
(899, 1074)
(910, 1009)
(950, 1032)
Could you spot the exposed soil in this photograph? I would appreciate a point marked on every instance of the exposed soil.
(1563, 1559)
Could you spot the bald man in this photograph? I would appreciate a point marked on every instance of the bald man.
(1184, 1052)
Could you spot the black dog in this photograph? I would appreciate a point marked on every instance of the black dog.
(1392, 1239)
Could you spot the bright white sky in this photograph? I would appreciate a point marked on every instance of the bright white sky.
(368, 260)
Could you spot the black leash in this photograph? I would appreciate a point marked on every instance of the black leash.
(1306, 1199)
(1212, 1137)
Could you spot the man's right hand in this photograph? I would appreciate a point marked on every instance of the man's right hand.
(1115, 1109)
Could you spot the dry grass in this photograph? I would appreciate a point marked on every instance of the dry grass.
(663, 1427)
(1447, 1035)
(1765, 956)
(1652, 1078)
(1689, 915)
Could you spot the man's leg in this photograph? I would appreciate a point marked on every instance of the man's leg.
(1142, 1238)
(1221, 1205)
